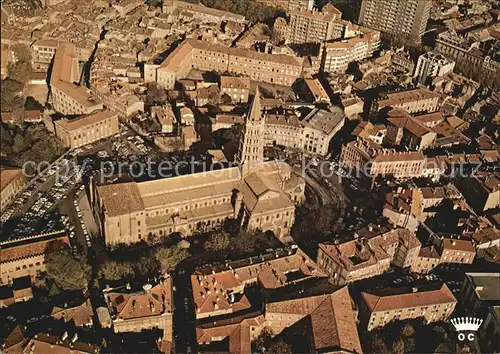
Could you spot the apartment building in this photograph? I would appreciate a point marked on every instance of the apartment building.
(417, 100)
(464, 51)
(401, 210)
(308, 26)
(378, 309)
(480, 291)
(194, 54)
(86, 129)
(183, 9)
(481, 191)
(403, 129)
(401, 61)
(331, 317)
(320, 126)
(456, 251)
(323, 321)
(260, 195)
(428, 258)
(283, 130)
(368, 255)
(221, 290)
(399, 17)
(12, 181)
(337, 55)
(187, 116)
(369, 158)
(67, 97)
(316, 91)
(134, 310)
(165, 116)
(289, 5)
(237, 88)
(26, 256)
(42, 52)
(430, 66)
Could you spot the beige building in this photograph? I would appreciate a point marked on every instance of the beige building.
(187, 116)
(221, 290)
(337, 55)
(428, 259)
(289, 5)
(12, 181)
(284, 130)
(399, 17)
(165, 116)
(194, 54)
(369, 158)
(456, 251)
(402, 208)
(26, 256)
(433, 305)
(86, 129)
(368, 255)
(68, 97)
(308, 26)
(261, 195)
(332, 319)
(320, 126)
(481, 191)
(237, 88)
(402, 129)
(188, 10)
(416, 100)
(432, 65)
(136, 310)
(42, 53)
(316, 91)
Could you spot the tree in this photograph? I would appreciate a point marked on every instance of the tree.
(243, 243)
(11, 95)
(67, 272)
(407, 330)
(115, 270)
(21, 69)
(279, 347)
(147, 266)
(155, 95)
(217, 241)
(169, 257)
(175, 144)
(398, 347)
(378, 345)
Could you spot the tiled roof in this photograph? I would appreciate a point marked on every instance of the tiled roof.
(84, 121)
(235, 82)
(428, 252)
(15, 341)
(215, 289)
(44, 343)
(458, 245)
(33, 247)
(332, 319)
(408, 300)
(81, 315)
(486, 235)
(121, 198)
(8, 174)
(152, 302)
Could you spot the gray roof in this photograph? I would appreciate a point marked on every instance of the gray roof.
(324, 121)
(487, 285)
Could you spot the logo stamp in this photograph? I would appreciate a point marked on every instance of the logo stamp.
(466, 327)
